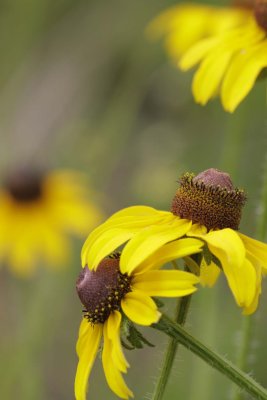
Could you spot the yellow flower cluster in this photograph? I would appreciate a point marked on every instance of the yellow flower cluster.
(228, 44)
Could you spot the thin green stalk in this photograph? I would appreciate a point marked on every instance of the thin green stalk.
(180, 317)
(244, 381)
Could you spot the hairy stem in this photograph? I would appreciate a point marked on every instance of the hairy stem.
(244, 381)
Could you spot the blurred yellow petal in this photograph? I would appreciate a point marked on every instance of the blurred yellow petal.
(185, 24)
(140, 308)
(88, 349)
(113, 375)
(255, 249)
(150, 240)
(171, 251)
(196, 53)
(113, 332)
(165, 283)
(242, 74)
(209, 75)
(209, 274)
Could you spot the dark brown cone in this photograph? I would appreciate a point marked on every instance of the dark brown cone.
(24, 185)
(260, 12)
(101, 291)
(209, 199)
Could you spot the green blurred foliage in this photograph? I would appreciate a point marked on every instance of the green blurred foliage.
(81, 87)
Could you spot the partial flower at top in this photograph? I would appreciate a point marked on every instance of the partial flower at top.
(228, 44)
(37, 211)
(205, 206)
(117, 291)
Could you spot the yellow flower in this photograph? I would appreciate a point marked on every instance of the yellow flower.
(36, 213)
(123, 285)
(205, 206)
(229, 46)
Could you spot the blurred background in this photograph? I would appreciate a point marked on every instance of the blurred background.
(81, 87)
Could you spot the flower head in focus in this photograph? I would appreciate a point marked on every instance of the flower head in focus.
(37, 211)
(228, 44)
(122, 285)
(207, 207)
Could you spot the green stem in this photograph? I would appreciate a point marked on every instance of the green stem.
(216, 361)
(180, 317)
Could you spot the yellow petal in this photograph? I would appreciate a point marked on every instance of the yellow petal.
(106, 244)
(227, 246)
(209, 75)
(113, 332)
(137, 211)
(168, 252)
(165, 283)
(113, 375)
(254, 304)
(150, 240)
(87, 349)
(196, 230)
(119, 228)
(256, 249)
(140, 308)
(209, 274)
(196, 53)
(84, 328)
(242, 75)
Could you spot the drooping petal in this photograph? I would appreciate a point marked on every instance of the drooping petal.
(242, 282)
(119, 228)
(227, 246)
(140, 308)
(255, 249)
(225, 243)
(254, 304)
(84, 328)
(113, 332)
(209, 274)
(87, 348)
(171, 251)
(242, 74)
(150, 240)
(165, 283)
(112, 373)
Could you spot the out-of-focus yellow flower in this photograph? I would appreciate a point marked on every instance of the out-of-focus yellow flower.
(37, 211)
(229, 46)
(206, 207)
(124, 285)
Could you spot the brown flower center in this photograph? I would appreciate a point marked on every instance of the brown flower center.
(24, 185)
(209, 199)
(260, 12)
(101, 291)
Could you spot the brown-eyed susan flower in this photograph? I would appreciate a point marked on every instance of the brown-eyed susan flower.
(37, 211)
(228, 44)
(120, 285)
(206, 206)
